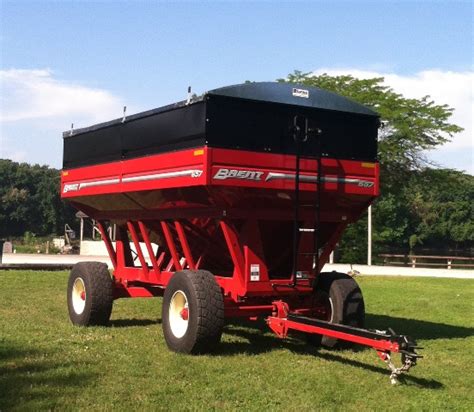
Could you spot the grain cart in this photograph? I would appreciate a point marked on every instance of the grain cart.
(229, 205)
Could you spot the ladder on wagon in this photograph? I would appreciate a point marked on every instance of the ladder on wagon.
(303, 130)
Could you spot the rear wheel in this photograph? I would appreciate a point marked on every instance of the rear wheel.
(193, 312)
(90, 294)
(338, 299)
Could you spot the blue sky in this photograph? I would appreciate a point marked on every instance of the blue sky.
(80, 62)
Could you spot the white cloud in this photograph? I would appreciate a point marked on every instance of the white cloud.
(36, 107)
(37, 94)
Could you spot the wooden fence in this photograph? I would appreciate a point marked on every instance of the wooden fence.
(448, 262)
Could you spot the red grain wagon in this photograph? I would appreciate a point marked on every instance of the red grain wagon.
(233, 202)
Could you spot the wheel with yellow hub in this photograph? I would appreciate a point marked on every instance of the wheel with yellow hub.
(90, 294)
(193, 312)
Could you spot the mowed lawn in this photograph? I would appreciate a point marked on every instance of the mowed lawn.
(46, 363)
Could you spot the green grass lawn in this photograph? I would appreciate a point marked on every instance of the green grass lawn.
(46, 363)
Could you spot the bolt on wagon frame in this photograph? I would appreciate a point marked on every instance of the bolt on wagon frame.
(229, 206)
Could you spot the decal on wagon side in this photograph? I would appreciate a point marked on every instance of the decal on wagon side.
(324, 179)
(74, 187)
(260, 176)
(166, 175)
(300, 93)
(71, 188)
(254, 272)
(363, 183)
(223, 174)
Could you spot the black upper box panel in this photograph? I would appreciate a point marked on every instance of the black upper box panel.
(251, 116)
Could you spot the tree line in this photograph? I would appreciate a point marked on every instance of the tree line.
(420, 206)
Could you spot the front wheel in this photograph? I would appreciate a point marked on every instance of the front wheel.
(90, 294)
(338, 299)
(193, 312)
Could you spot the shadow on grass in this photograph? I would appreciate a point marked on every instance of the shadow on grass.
(29, 379)
(126, 323)
(418, 329)
(259, 342)
(258, 339)
(404, 378)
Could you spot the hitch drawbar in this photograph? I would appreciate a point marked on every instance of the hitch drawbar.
(385, 343)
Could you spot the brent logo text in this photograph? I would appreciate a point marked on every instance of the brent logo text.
(223, 174)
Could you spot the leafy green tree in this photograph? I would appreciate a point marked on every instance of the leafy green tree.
(441, 203)
(30, 201)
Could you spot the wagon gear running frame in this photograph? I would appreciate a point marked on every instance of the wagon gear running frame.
(230, 205)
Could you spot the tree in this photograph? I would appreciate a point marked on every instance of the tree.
(441, 203)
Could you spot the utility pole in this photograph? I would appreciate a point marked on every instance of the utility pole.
(369, 237)
(81, 231)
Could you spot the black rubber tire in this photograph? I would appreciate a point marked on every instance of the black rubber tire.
(98, 294)
(206, 312)
(347, 305)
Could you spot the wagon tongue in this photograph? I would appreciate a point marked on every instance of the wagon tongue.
(384, 342)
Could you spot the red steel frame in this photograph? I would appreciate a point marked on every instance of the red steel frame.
(179, 221)
(182, 223)
(209, 206)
